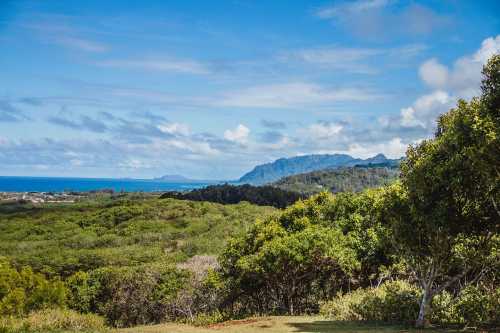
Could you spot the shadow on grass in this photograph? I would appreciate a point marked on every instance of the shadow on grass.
(328, 326)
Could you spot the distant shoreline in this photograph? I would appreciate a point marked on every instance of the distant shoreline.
(22, 184)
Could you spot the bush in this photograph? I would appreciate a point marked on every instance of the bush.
(53, 320)
(24, 291)
(396, 301)
(56, 319)
(205, 319)
(477, 306)
(127, 296)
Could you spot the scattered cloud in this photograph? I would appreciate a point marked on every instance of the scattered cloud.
(238, 135)
(175, 129)
(426, 109)
(81, 44)
(394, 148)
(10, 113)
(379, 19)
(152, 117)
(273, 124)
(324, 130)
(355, 60)
(464, 76)
(162, 65)
(292, 95)
(433, 73)
(58, 30)
(31, 101)
(448, 84)
(80, 123)
(351, 8)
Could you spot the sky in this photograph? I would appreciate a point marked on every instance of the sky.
(209, 89)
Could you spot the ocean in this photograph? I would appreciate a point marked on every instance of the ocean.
(59, 184)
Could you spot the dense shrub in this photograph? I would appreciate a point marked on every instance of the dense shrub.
(23, 291)
(288, 262)
(476, 305)
(56, 319)
(127, 296)
(53, 320)
(398, 301)
(395, 301)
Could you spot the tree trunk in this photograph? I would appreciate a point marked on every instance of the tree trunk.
(424, 308)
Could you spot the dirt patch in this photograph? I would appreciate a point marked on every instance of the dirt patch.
(236, 323)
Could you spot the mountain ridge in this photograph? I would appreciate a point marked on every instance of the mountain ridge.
(283, 167)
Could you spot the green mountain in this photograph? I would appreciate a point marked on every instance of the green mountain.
(267, 173)
(352, 179)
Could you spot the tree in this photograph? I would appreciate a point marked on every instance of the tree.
(283, 264)
(445, 213)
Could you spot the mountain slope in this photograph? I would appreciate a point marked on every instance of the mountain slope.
(283, 167)
(351, 179)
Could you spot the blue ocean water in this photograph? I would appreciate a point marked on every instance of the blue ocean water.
(56, 184)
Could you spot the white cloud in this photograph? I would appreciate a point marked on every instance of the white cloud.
(394, 148)
(175, 129)
(162, 65)
(489, 47)
(198, 149)
(323, 130)
(433, 73)
(290, 95)
(461, 80)
(426, 109)
(463, 77)
(238, 135)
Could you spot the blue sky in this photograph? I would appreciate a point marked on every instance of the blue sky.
(208, 89)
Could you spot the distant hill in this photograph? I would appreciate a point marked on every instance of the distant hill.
(352, 179)
(283, 167)
(182, 179)
(231, 194)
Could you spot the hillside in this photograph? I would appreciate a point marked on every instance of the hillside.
(119, 231)
(351, 179)
(284, 167)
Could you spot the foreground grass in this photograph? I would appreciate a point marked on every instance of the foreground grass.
(278, 325)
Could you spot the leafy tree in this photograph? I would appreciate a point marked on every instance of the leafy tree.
(445, 214)
(284, 262)
(232, 194)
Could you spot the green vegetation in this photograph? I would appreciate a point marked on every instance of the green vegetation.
(354, 179)
(62, 239)
(445, 214)
(232, 194)
(399, 301)
(24, 291)
(53, 320)
(287, 263)
(424, 249)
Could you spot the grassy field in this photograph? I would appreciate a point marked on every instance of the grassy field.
(277, 325)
